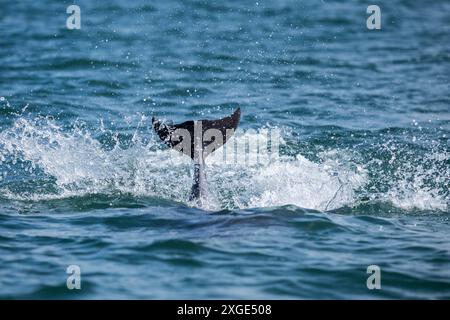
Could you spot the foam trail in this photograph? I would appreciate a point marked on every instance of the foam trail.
(63, 162)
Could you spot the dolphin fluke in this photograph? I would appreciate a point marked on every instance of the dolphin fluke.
(198, 139)
(185, 136)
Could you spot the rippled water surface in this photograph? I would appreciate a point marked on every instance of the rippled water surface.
(362, 176)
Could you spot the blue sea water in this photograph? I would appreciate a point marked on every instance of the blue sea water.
(362, 178)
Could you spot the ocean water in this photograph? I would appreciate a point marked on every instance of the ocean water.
(362, 176)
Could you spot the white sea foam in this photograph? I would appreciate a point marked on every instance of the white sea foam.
(80, 165)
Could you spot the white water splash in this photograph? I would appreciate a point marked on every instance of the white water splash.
(81, 165)
(411, 189)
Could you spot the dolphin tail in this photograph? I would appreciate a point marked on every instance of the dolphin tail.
(198, 139)
(190, 137)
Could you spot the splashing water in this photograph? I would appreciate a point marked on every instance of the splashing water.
(58, 162)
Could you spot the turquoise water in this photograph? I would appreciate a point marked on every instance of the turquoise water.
(362, 177)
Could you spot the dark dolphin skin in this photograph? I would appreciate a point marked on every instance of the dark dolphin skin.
(198, 139)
